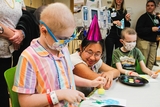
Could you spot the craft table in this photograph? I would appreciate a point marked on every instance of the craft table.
(142, 96)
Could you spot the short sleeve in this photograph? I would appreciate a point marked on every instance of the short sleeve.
(25, 77)
(140, 55)
(76, 59)
(115, 57)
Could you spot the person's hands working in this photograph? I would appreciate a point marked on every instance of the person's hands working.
(71, 96)
(98, 82)
(109, 78)
(153, 74)
(132, 73)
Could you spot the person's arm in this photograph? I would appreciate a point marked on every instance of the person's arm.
(106, 68)
(126, 72)
(144, 68)
(147, 70)
(117, 23)
(41, 100)
(109, 73)
(8, 33)
(23, 5)
(127, 19)
(84, 71)
(24, 8)
(13, 35)
(18, 37)
(82, 82)
(33, 100)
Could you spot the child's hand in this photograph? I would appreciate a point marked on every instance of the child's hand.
(108, 79)
(131, 73)
(98, 81)
(65, 94)
(154, 75)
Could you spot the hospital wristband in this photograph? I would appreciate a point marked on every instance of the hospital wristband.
(54, 97)
(49, 99)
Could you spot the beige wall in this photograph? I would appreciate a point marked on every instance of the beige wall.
(67, 2)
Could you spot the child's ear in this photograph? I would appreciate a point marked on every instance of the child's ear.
(121, 40)
(43, 29)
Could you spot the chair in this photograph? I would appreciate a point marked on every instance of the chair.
(9, 77)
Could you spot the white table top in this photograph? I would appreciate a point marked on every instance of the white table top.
(143, 96)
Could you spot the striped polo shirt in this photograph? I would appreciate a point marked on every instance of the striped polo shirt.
(39, 71)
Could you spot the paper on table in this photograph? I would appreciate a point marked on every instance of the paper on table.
(147, 77)
(97, 100)
(103, 101)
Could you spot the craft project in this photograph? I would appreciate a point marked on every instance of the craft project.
(101, 91)
(132, 80)
(147, 77)
(104, 102)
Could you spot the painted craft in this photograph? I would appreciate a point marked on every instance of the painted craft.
(101, 91)
(133, 80)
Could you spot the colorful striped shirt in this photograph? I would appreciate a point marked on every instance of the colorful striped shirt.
(39, 71)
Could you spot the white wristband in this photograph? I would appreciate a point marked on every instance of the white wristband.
(54, 97)
(126, 72)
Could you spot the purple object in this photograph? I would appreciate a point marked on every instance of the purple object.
(94, 33)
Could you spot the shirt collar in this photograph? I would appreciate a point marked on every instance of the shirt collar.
(40, 50)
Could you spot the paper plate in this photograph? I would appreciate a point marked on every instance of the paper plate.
(132, 80)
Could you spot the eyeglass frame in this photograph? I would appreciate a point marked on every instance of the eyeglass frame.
(53, 36)
(93, 53)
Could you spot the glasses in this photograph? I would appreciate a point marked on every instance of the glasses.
(55, 39)
(90, 53)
